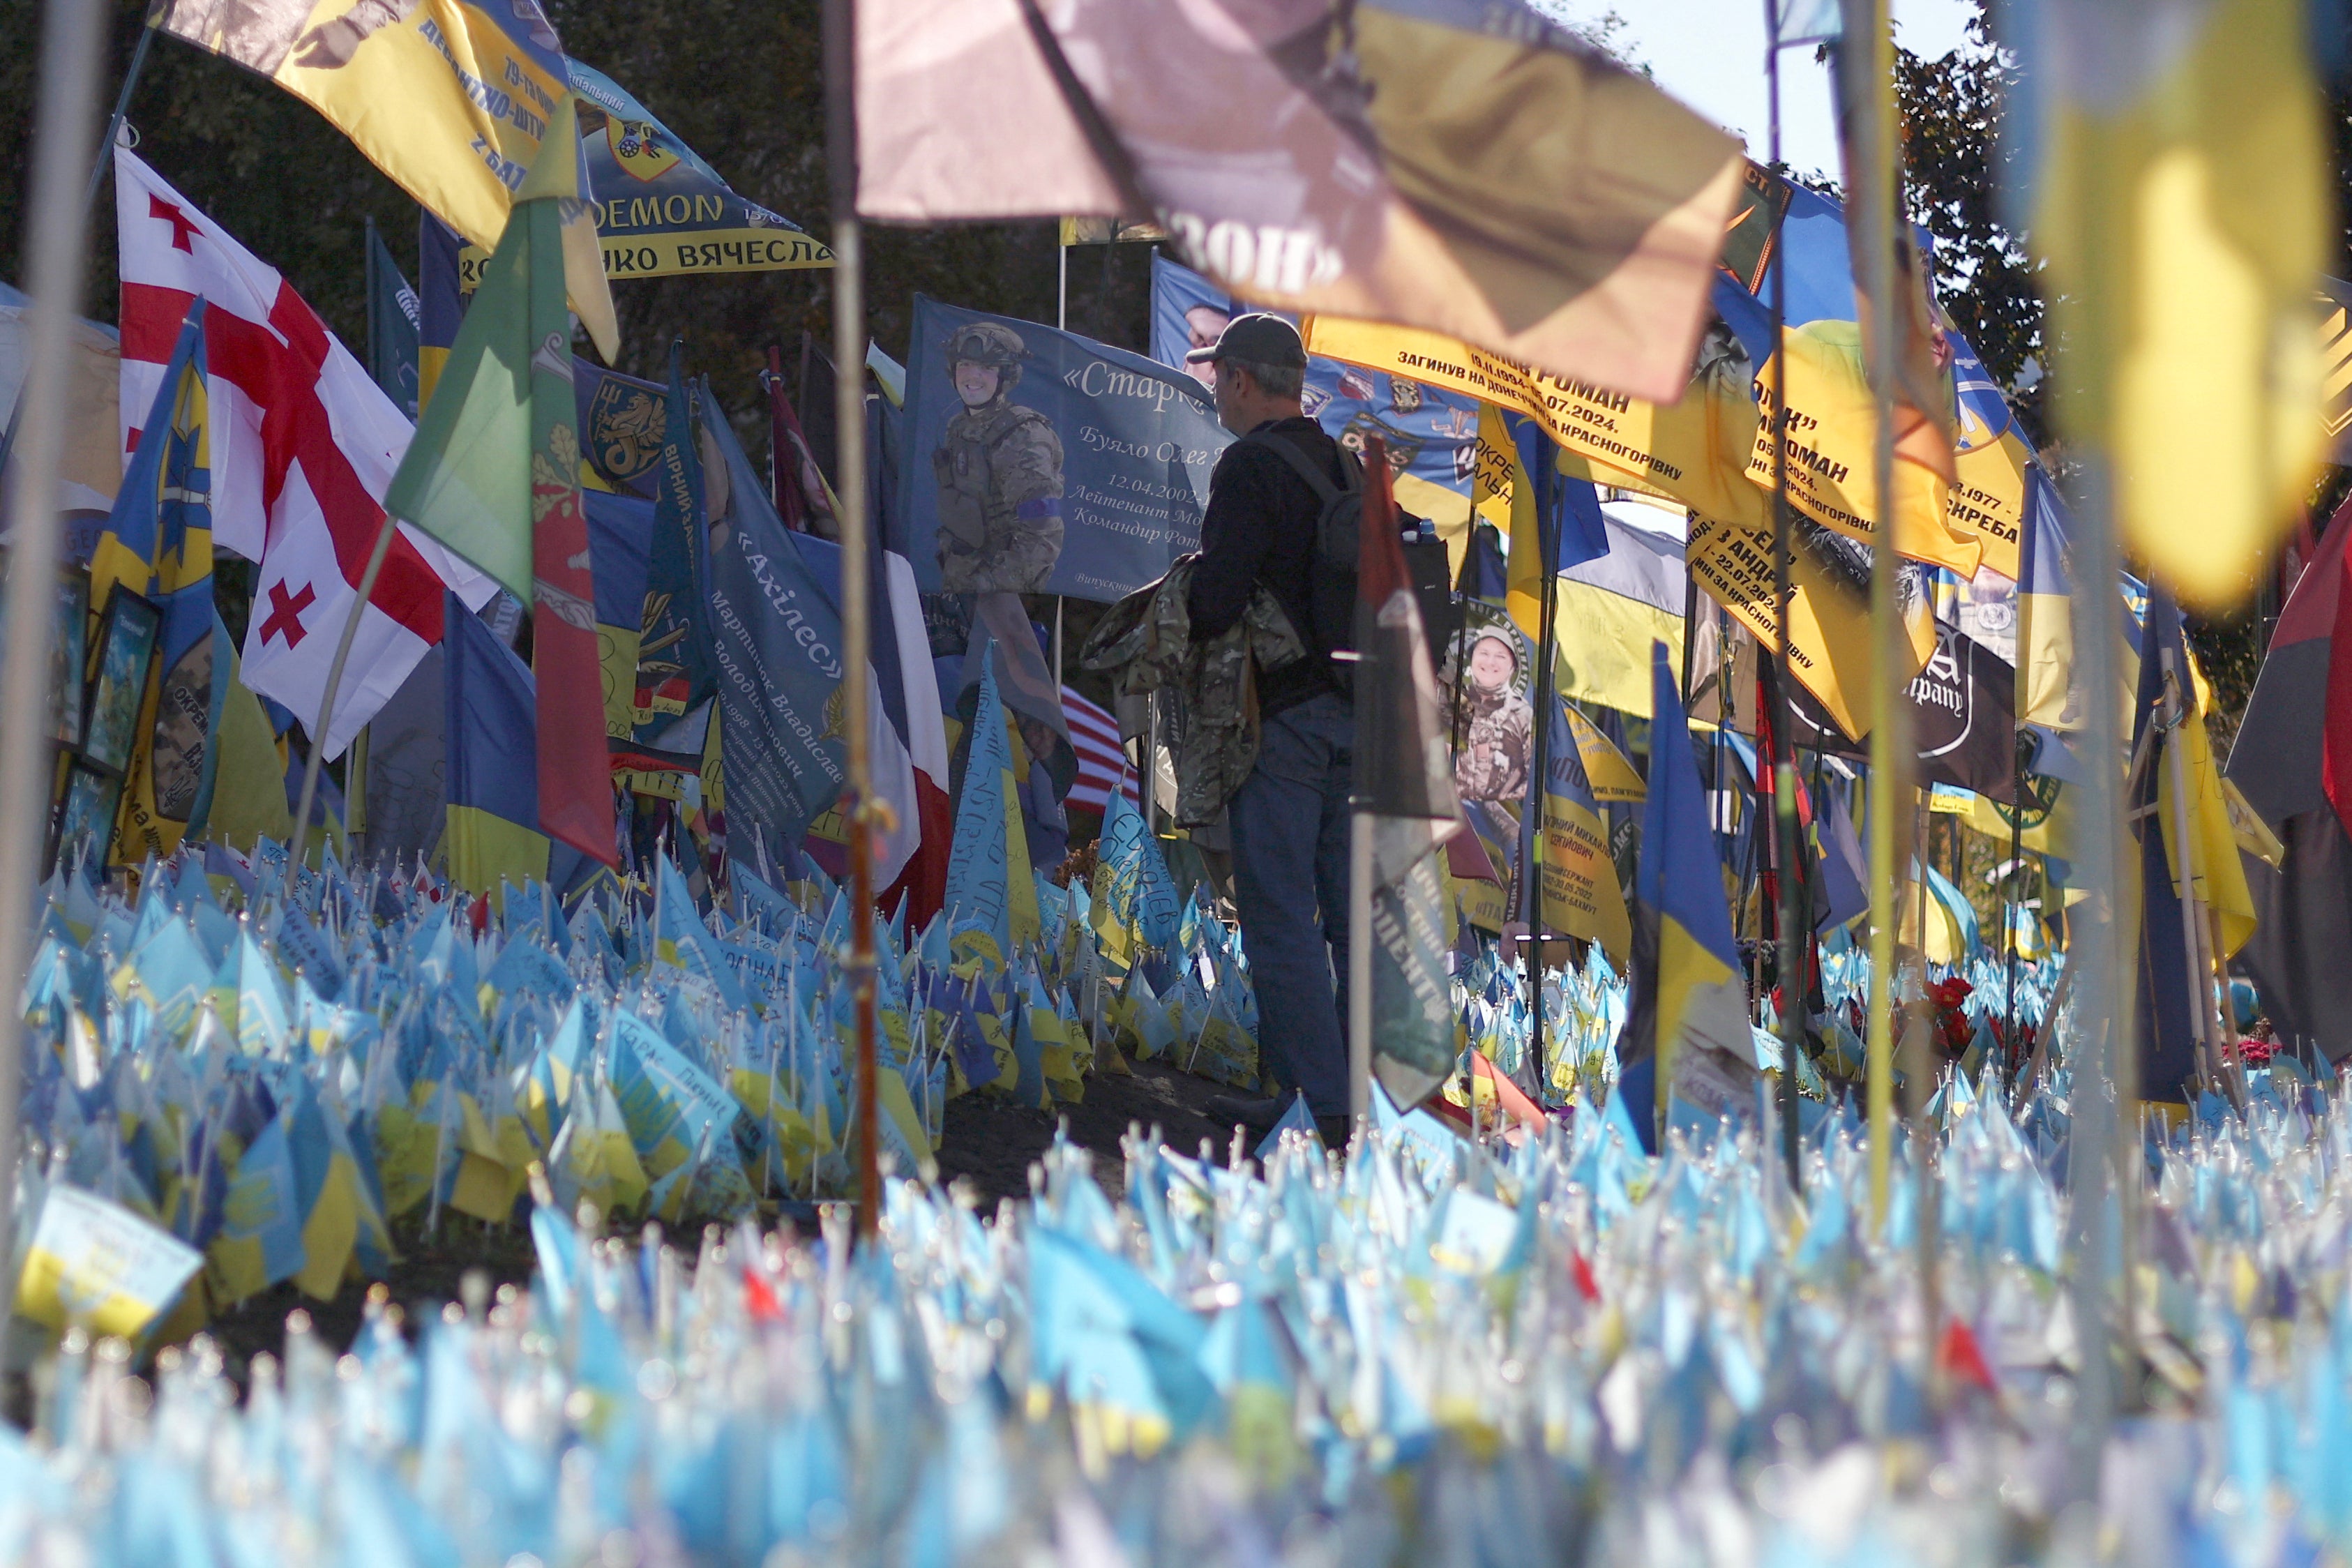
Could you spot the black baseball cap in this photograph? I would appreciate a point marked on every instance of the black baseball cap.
(1257, 338)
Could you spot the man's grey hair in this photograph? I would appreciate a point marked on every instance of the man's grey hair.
(1274, 380)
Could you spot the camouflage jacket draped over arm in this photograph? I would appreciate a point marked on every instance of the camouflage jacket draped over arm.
(1145, 644)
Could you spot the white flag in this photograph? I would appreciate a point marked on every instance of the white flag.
(303, 445)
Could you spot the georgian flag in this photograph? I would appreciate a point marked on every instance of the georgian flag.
(304, 443)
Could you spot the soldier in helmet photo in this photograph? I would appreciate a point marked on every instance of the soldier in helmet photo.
(1000, 472)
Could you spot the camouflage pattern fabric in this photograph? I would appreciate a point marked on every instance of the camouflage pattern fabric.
(1493, 762)
(1145, 644)
(1000, 472)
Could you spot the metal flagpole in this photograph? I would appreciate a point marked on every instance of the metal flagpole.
(96, 178)
(2008, 910)
(121, 105)
(56, 227)
(2102, 1064)
(1360, 960)
(849, 416)
(1791, 1018)
(1540, 769)
(318, 748)
(1872, 209)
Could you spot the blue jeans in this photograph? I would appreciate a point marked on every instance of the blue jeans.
(1289, 822)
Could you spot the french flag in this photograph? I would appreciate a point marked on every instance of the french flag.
(303, 445)
(906, 736)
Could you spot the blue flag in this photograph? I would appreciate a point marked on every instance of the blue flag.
(1049, 463)
(777, 640)
(980, 867)
(1689, 1013)
(673, 664)
(661, 210)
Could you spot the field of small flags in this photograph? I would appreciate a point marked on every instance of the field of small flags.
(1538, 1343)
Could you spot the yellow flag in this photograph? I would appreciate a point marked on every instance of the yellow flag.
(2182, 204)
(452, 100)
(2219, 877)
(1606, 769)
(1831, 438)
(249, 787)
(1700, 453)
(1829, 647)
(1691, 451)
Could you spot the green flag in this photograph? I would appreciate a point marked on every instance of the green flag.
(494, 473)
(467, 477)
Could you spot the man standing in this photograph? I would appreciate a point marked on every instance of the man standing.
(1289, 819)
(999, 466)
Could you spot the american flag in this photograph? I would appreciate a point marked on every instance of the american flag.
(1102, 761)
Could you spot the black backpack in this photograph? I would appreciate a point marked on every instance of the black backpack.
(1339, 528)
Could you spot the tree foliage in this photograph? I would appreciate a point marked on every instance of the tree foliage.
(1955, 162)
(738, 80)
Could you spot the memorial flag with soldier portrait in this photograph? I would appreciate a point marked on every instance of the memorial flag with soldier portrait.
(1038, 461)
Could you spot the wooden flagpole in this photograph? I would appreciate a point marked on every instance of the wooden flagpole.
(55, 227)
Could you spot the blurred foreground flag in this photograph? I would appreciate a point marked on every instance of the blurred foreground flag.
(97, 1265)
(452, 100)
(1404, 785)
(2178, 186)
(1463, 166)
(1003, 142)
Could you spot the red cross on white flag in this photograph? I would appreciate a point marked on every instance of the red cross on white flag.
(303, 444)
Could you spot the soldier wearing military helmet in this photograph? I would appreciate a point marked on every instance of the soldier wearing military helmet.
(1000, 472)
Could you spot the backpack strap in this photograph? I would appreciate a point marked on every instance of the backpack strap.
(1306, 467)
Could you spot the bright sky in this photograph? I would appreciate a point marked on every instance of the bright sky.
(1710, 54)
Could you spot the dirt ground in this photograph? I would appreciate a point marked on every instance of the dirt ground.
(990, 1142)
(987, 1142)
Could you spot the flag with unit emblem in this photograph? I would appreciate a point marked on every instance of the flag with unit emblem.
(660, 209)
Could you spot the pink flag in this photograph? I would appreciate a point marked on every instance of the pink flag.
(958, 118)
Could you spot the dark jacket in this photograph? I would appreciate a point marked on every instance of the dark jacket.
(1259, 530)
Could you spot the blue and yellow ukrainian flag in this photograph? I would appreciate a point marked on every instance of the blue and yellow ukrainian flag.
(442, 292)
(2045, 611)
(493, 760)
(1581, 895)
(158, 543)
(1688, 991)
